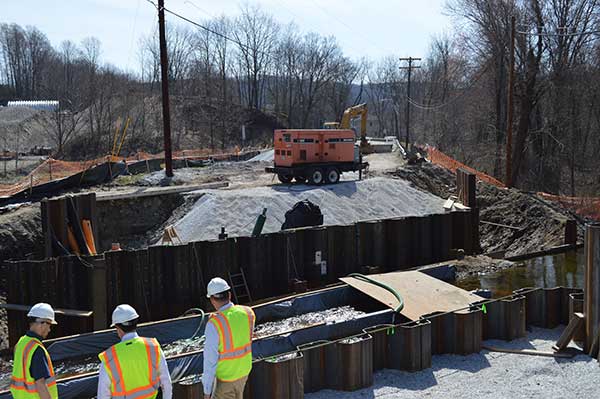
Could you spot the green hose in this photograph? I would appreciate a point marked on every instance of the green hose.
(366, 279)
(192, 311)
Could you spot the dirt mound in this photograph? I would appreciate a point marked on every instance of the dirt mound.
(21, 233)
(535, 224)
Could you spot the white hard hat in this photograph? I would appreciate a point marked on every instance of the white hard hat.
(123, 314)
(216, 286)
(42, 311)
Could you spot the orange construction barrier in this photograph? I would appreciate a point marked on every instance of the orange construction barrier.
(72, 241)
(53, 169)
(439, 158)
(588, 207)
(86, 226)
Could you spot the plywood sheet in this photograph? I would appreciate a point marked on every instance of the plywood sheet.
(422, 294)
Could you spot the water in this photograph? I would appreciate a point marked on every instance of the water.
(566, 269)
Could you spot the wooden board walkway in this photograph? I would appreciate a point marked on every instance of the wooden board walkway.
(422, 294)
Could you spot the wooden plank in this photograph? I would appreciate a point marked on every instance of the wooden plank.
(530, 352)
(66, 312)
(593, 350)
(422, 294)
(574, 324)
(99, 290)
(502, 225)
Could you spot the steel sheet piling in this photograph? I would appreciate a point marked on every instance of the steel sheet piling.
(313, 357)
(276, 378)
(576, 306)
(381, 345)
(504, 319)
(349, 364)
(410, 346)
(592, 283)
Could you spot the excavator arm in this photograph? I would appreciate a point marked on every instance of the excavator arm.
(355, 112)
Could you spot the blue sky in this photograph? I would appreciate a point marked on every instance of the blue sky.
(372, 28)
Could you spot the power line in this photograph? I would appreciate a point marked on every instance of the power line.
(137, 9)
(452, 100)
(559, 28)
(214, 32)
(198, 8)
(311, 24)
(593, 32)
(351, 29)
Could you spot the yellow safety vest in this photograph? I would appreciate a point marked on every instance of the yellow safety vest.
(22, 384)
(133, 368)
(234, 326)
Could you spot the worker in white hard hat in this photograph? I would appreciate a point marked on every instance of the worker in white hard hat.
(135, 367)
(228, 344)
(33, 374)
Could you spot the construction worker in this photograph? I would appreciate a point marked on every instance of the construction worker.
(228, 344)
(136, 366)
(33, 374)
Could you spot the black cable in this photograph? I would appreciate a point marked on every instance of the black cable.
(465, 91)
(209, 29)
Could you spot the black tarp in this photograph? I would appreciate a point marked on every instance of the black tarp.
(303, 214)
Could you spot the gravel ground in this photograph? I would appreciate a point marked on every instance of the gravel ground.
(267, 156)
(342, 203)
(237, 174)
(489, 375)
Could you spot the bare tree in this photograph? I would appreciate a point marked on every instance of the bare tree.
(256, 33)
(60, 126)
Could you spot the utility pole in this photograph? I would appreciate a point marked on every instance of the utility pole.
(509, 106)
(409, 68)
(164, 73)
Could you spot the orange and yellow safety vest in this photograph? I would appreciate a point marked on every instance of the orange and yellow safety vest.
(133, 368)
(234, 326)
(22, 384)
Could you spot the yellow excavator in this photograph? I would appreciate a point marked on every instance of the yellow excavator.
(357, 111)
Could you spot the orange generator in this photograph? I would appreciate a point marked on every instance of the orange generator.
(318, 156)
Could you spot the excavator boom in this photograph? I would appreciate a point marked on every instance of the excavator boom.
(355, 112)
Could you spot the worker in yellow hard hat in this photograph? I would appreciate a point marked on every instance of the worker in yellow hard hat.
(228, 344)
(135, 367)
(33, 374)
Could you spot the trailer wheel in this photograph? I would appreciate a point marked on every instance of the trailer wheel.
(316, 176)
(285, 179)
(333, 175)
(300, 179)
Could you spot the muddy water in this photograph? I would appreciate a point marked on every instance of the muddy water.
(566, 269)
(91, 364)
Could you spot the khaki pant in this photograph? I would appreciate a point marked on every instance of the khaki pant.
(230, 390)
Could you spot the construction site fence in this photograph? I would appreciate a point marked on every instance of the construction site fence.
(53, 170)
(344, 356)
(587, 207)
(164, 281)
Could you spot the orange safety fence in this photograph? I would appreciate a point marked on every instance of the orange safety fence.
(439, 158)
(583, 206)
(53, 169)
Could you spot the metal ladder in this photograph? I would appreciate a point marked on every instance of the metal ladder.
(239, 281)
